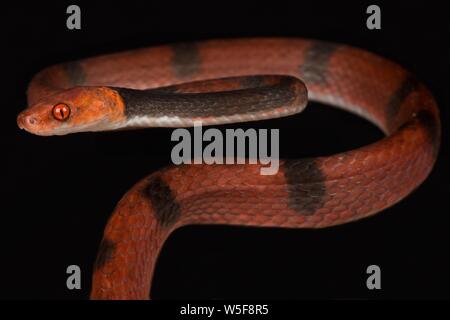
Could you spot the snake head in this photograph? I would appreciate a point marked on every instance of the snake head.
(77, 109)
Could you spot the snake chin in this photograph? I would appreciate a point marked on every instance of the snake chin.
(103, 124)
(100, 125)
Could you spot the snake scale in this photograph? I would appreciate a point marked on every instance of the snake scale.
(234, 80)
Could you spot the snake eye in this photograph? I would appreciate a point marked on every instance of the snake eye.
(61, 111)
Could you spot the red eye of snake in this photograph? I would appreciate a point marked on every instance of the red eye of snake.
(61, 111)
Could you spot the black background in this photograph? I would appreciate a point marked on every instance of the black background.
(58, 192)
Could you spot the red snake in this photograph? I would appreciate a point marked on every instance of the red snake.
(143, 88)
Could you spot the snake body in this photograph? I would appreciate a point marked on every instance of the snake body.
(173, 85)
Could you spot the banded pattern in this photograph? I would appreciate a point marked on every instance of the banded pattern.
(307, 193)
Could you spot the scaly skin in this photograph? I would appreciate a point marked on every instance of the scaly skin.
(305, 193)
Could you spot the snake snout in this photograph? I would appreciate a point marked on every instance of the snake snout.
(27, 122)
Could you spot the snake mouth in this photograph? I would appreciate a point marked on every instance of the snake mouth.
(33, 125)
(20, 122)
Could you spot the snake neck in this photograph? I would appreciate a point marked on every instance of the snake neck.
(213, 102)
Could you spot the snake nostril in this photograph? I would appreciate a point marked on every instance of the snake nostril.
(31, 120)
(25, 121)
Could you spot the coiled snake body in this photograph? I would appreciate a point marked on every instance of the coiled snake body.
(144, 87)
